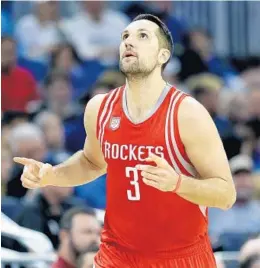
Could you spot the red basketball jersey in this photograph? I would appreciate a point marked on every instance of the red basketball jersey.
(139, 217)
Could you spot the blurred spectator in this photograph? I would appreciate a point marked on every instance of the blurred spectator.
(9, 205)
(238, 114)
(251, 262)
(51, 126)
(246, 211)
(238, 108)
(58, 96)
(25, 140)
(254, 123)
(18, 87)
(43, 209)
(6, 167)
(254, 100)
(38, 33)
(251, 75)
(79, 233)
(200, 41)
(250, 254)
(58, 100)
(165, 10)
(102, 28)
(14, 118)
(237, 111)
(10, 119)
(188, 69)
(206, 88)
(66, 59)
(133, 8)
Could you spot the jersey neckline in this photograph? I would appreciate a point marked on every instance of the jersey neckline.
(157, 105)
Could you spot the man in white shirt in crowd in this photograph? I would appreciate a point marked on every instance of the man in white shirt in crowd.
(90, 31)
(38, 33)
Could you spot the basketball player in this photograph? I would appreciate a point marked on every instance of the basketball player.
(163, 156)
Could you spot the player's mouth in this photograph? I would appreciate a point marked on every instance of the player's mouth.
(129, 54)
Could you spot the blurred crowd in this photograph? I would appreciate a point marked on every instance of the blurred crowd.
(52, 65)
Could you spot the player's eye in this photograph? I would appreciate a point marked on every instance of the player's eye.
(124, 36)
(143, 36)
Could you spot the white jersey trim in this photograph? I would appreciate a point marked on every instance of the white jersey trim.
(174, 164)
(108, 116)
(104, 112)
(179, 156)
(169, 128)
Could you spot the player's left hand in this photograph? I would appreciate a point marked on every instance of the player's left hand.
(162, 176)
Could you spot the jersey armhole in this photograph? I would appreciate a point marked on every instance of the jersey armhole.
(104, 109)
(101, 108)
(177, 131)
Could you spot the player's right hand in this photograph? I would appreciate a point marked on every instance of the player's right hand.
(35, 173)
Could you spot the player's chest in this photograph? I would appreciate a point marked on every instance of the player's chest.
(125, 141)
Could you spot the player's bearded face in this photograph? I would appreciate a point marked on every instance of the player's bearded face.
(139, 64)
(139, 49)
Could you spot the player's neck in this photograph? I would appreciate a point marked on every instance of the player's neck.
(142, 94)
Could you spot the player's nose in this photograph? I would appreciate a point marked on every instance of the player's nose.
(129, 42)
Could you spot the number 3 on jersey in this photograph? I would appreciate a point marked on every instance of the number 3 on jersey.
(132, 174)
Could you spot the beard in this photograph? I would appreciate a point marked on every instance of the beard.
(136, 69)
(77, 252)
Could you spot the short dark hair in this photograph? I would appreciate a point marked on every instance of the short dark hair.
(56, 53)
(164, 32)
(11, 115)
(67, 218)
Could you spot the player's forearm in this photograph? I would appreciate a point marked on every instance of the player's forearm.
(77, 170)
(212, 192)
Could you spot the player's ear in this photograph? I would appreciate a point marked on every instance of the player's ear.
(164, 56)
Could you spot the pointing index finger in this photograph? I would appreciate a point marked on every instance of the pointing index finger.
(22, 160)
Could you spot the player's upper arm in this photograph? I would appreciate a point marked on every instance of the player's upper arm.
(202, 141)
(92, 149)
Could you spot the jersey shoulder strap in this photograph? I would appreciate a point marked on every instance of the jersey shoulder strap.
(105, 110)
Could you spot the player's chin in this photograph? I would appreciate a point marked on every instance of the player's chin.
(127, 68)
(128, 61)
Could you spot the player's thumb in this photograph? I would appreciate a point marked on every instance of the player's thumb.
(46, 174)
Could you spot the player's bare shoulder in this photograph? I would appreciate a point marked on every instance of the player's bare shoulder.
(92, 148)
(190, 111)
(193, 118)
(92, 109)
